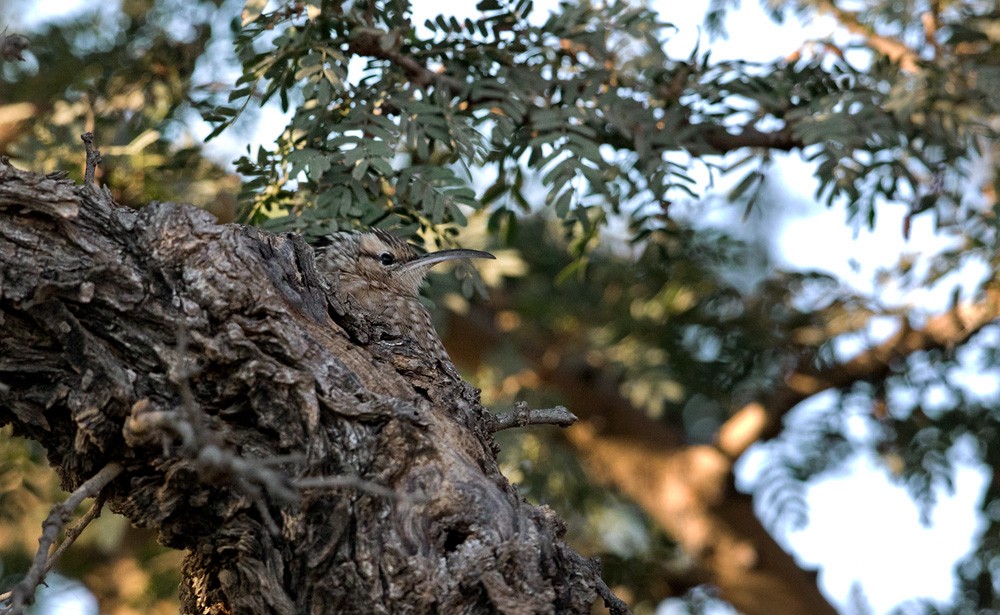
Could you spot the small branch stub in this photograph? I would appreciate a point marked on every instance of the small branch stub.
(616, 606)
(12, 46)
(93, 157)
(522, 417)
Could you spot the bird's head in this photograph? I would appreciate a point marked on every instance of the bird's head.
(382, 259)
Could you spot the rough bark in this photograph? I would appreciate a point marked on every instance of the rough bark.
(208, 362)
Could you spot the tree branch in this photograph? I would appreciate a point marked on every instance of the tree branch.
(522, 417)
(23, 593)
(370, 42)
(894, 49)
(93, 157)
(616, 606)
(762, 419)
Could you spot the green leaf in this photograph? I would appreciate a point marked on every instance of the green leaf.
(750, 180)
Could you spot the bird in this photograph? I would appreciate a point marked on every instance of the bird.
(380, 275)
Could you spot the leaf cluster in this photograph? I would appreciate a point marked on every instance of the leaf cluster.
(395, 123)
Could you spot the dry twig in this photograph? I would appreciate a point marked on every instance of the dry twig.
(93, 157)
(522, 416)
(23, 593)
(616, 606)
(353, 482)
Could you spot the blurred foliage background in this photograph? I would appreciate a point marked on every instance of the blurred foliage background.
(570, 143)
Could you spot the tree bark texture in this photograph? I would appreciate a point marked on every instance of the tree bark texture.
(305, 464)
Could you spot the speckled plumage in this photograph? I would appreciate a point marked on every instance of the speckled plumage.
(379, 274)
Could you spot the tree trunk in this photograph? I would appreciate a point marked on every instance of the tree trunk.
(306, 465)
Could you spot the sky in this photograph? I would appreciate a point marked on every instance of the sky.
(864, 532)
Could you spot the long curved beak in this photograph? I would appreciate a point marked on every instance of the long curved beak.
(433, 258)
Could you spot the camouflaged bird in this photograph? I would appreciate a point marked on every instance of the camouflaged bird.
(380, 274)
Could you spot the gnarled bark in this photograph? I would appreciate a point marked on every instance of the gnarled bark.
(306, 465)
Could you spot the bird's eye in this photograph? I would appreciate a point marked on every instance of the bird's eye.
(386, 259)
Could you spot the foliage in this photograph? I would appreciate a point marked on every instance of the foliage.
(586, 100)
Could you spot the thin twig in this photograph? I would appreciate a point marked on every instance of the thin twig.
(353, 482)
(74, 532)
(616, 606)
(93, 157)
(369, 42)
(214, 461)
(522, 416)
(266, 518)
(24, 592)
